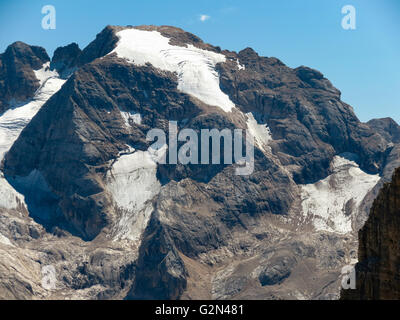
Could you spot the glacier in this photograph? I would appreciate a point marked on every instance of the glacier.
(194, 67)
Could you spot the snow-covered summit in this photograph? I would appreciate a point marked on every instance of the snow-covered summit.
(194, 67)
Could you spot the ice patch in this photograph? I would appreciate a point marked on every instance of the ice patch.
(132, 182)
(194, 67)
(131, 118)
(260, 132)
(14, 120)
(333, 202)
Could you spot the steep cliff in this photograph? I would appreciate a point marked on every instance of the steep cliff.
(378, 269)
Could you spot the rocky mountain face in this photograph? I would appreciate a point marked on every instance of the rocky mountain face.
(17, 79)
(81, 191)
(379, 252)
(65, 59)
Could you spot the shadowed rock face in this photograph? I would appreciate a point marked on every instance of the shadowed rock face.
(377, 272)
(17, 79)
(207, 233)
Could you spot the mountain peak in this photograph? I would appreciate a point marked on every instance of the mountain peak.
(18, 64)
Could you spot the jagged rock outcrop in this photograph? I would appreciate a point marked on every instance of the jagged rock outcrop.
(161, 273)
(377, 272)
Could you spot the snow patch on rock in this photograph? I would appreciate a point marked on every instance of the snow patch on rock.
(332, 203)
(9, 197)
(132, 182)
(15, 119)
(194, 67)
(260, 132)
(240, 66)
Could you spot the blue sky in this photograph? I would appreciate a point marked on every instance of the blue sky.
(363, 63)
